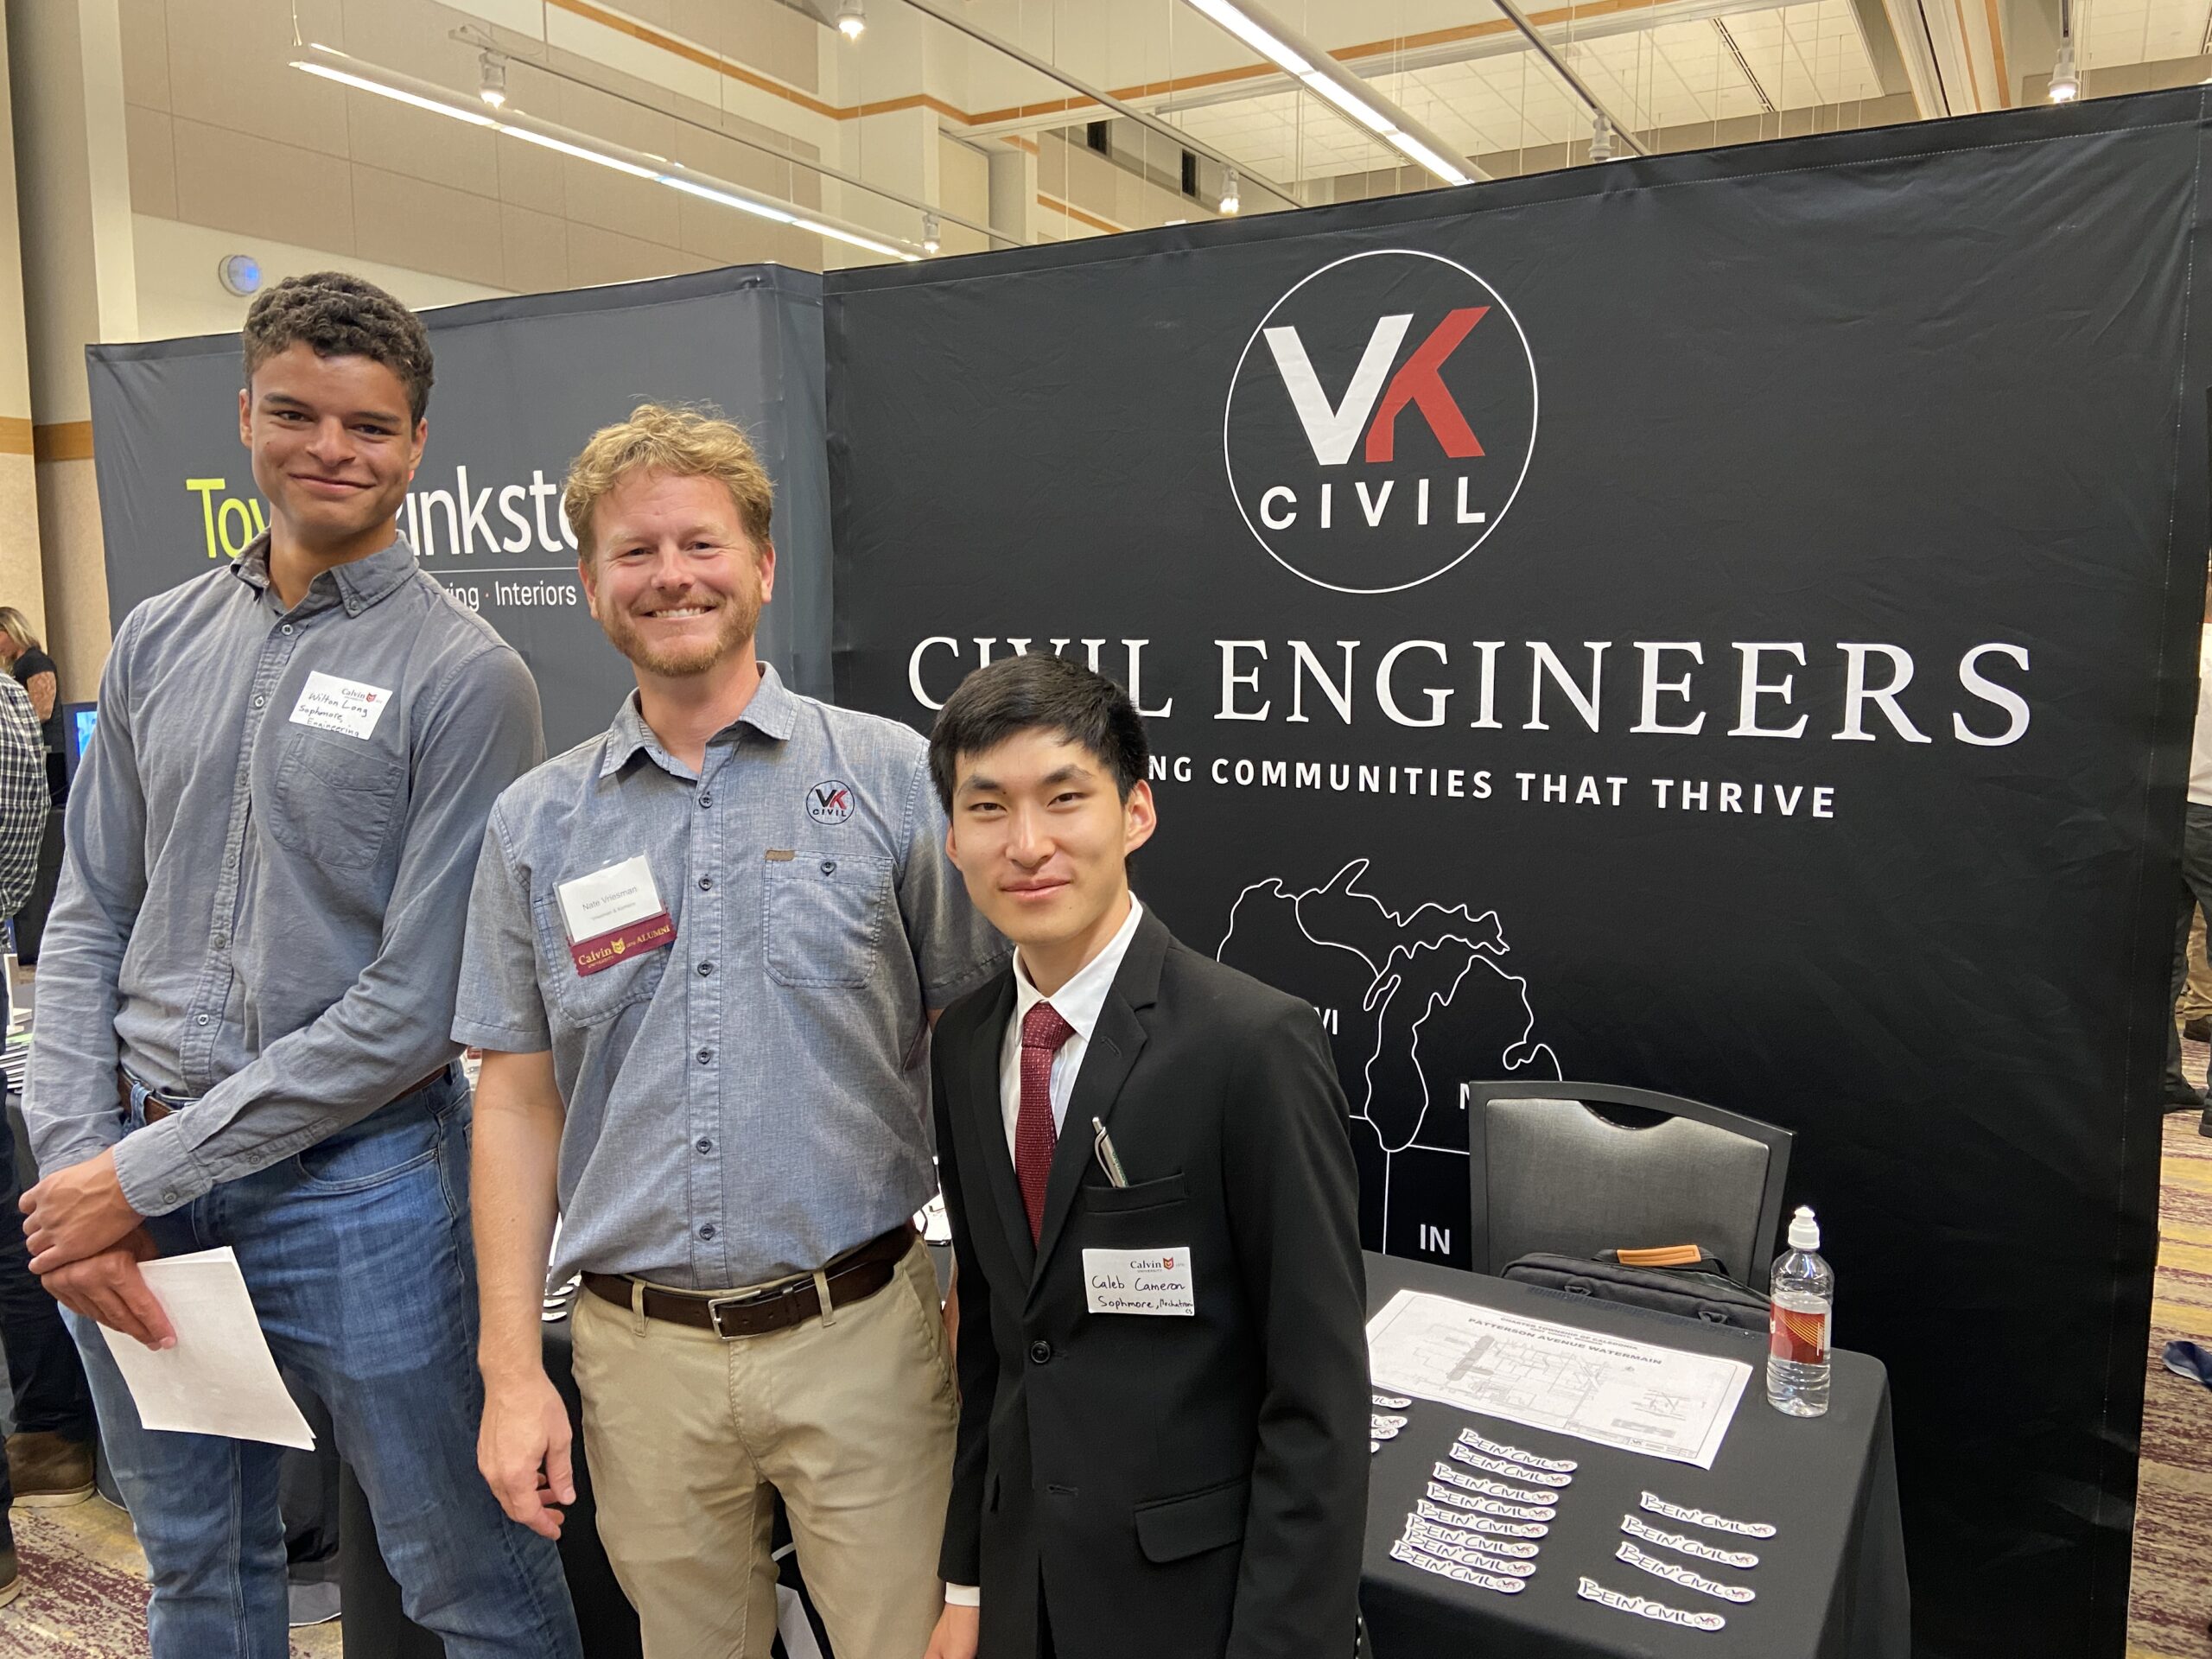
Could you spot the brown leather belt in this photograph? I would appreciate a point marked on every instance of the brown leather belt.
(157, 1109)
(854, 1276)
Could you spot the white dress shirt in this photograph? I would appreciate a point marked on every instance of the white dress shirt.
(1080, 1001)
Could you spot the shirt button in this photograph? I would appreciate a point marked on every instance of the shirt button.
(706, 884)
(704, 1144)
(200, 1019)
(829, 867)
(705, 799)
(706, 1231)
(706, 968)
(1039, 1352)
(258, 702)
(706, 1058)
(288, 627)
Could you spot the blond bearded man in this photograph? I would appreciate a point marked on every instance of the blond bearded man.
(704, 949)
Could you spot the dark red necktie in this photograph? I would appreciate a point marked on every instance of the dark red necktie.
(1043, 1031)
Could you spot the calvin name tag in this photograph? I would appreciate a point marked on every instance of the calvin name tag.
(611, 914)
(1139, 1281)
(330, 704)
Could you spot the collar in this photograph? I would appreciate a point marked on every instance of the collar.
(357, 584)
(1082, 999)
(773, 711)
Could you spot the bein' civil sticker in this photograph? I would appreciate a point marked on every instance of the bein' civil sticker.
(1457, 1500)
(1591, 1590)
(1498, 1449)
(1686, 1545)
(1460, 1518)
(1501, 1467)
(1657, 1505)
(1676, 1572)
(1467, 1482)
(1402, 1551)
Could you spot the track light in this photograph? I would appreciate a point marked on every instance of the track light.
(329, 65)
(2065, 85)
(1601, 139)
(852, 19)
(1229, 199)
(1359, 100)
(492, 84)
(930, 240)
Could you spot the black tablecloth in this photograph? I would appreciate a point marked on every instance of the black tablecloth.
(1831, 1583)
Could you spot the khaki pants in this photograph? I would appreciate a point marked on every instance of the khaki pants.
(690, 1437)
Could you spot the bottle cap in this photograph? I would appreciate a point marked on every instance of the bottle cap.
(1804, 1231)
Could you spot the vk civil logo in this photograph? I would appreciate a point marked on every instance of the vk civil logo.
(1381, 419)
(830, 802)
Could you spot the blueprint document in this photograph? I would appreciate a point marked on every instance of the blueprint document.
(1661, 1401)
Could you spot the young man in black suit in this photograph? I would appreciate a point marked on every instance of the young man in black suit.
(1162, 1361)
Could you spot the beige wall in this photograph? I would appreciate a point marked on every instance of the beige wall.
(77, 631)
(179, 292)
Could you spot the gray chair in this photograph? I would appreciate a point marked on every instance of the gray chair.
(1575, 1168)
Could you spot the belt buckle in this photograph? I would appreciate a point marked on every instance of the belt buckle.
(750, 1299)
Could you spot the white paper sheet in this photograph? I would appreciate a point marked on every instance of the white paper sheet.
(1661, 1401)
(220, 1377)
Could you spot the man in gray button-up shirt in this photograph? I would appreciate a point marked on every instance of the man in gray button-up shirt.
(246, 993)
(703, 951)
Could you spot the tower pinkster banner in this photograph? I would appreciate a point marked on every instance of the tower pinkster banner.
(1723, 624)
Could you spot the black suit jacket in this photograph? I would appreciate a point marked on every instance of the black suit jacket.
(1183, 1488)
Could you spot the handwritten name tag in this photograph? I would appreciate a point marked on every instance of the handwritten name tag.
(1139, 1281)
(331, 704)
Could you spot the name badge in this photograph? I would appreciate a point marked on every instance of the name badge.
(1139, 1281)
(612, 914)
(330, 704)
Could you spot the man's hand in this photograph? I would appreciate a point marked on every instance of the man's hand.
(523, 1449)
(959, 1629)
(77, 1212)
(108, 1286)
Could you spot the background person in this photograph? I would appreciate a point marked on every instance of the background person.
(1173, 1485)
(721, 1083)
(29, 1322)
(34, 671)
(245, 997)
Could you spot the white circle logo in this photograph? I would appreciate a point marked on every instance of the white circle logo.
(1380, 421)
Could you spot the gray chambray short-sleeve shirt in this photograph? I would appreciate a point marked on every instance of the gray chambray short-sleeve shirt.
(752, 1098)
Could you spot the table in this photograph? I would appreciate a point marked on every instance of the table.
(1831, 1583)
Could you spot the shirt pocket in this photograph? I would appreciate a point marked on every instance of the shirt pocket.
(587, 999)
(821, 917)
(335, 798)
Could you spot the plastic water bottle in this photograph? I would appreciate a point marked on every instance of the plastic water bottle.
(1798, 1323)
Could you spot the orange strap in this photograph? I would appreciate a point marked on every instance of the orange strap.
(1665, 1256)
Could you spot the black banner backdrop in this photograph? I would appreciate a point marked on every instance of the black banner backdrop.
(521, 384)
(1724, 624)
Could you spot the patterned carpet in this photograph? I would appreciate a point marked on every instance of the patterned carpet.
(2171, 1591)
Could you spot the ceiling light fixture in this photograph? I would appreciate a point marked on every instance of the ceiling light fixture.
(1230, 201)
(930, 240)
(427, 95)
(2065, 84)
(852, 19)
(492, 79)
(1322, 74)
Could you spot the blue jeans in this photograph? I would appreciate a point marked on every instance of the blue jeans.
(356, 1253)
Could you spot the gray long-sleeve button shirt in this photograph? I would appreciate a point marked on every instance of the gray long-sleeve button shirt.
(751, 1098)
(270, 842)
